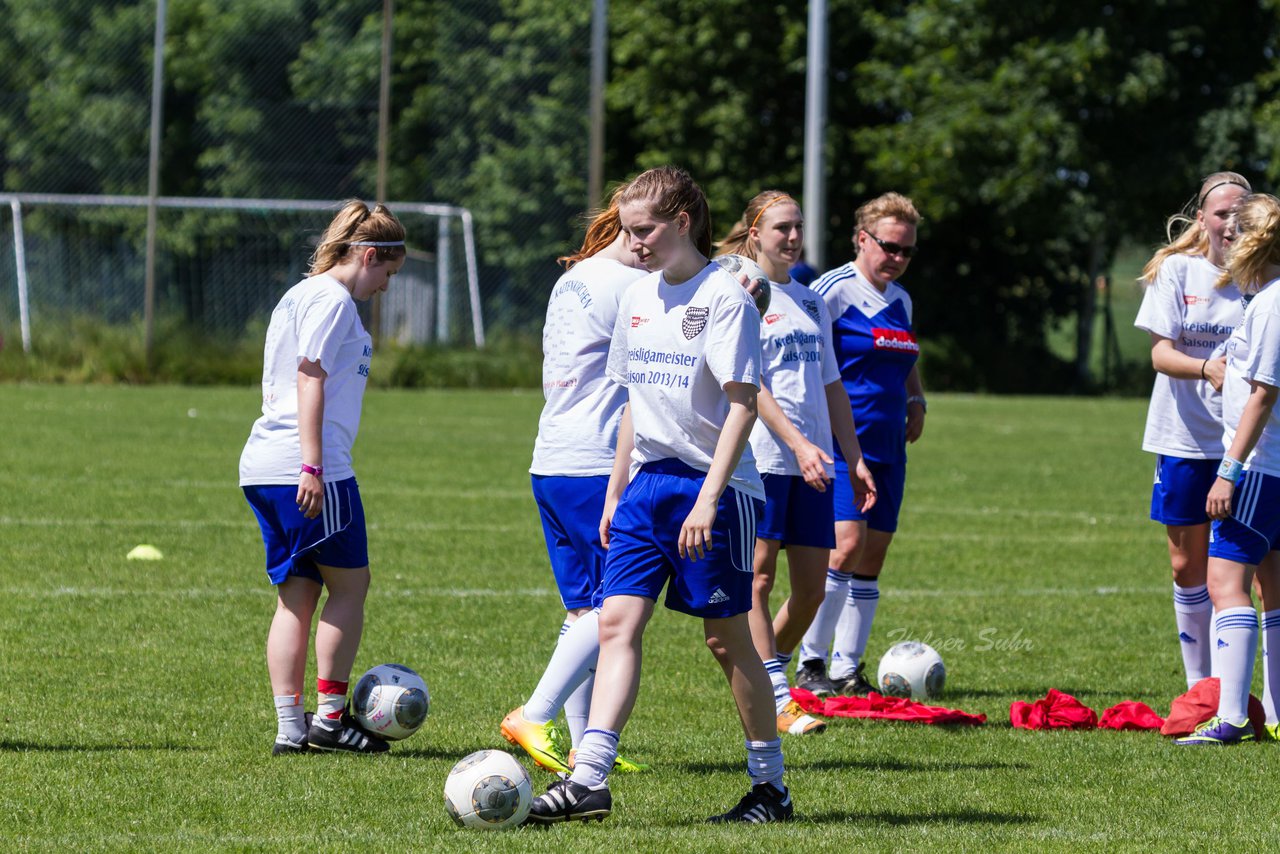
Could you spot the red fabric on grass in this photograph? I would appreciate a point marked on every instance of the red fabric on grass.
(882, 708)
(1130, 715)
(1056, 711)
(1199, 704)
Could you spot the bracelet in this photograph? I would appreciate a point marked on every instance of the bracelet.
(1202, 364)
(315, 471)
(918, 398)
(1230, 470)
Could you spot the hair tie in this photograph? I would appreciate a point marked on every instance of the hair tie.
(375, 243)
(1206, 193)
(768, 205)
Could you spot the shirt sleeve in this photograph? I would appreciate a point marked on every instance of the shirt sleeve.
(1161, 312)
(1263, 334)
(323, 324)
(733, 344)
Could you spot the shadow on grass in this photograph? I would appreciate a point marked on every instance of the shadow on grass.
(452, 754)
(894, 819)
(45, 747)
(905, 766)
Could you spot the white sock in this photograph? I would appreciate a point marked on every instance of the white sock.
(1194, 615)
(854, 626)
(578, 707)
(817, 639)
(764, 762)
(1237, 645)
(778, 676)
(572, 661)
(1271, 665)
(290, 719)
(595, 758)
(1213, 645)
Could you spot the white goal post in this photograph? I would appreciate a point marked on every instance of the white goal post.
(442, 252)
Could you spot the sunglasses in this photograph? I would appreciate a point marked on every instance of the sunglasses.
(891, 248)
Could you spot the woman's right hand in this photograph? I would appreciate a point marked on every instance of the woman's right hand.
(606, 519)
(813, 463)
(1215, 372)
(310, 495)
(1218, 504)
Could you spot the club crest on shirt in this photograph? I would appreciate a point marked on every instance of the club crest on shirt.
(695, 320)
(811, 308)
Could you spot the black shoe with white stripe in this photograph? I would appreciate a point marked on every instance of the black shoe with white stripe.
(285, 746)
(763, 804)
(566, 800)
(343, 735)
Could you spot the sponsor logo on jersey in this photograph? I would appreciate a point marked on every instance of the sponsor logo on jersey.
(637, 320)
(717, 597)
(900, 340)
(773, 318)
(1195, 299)
(811, 308)
(695, 320)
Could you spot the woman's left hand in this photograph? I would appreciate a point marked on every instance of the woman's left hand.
(915, 421)
(1218, 504)
(695, 533)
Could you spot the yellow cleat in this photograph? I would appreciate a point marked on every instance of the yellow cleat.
(621, 764)
(793, 720)
(1271, 732)
(542, 742)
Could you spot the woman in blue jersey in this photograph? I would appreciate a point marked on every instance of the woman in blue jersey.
(296, 474)
(876, 349)
(684, 494)
(801, 404)
(1244, 500)
(1188, 317)
(572, 460)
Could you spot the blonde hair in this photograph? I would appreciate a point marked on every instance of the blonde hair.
(738, 240)
(602, 229)
(885, 206)
(356, 222)
(1183, 233)
(670, 191)
(1256, 247)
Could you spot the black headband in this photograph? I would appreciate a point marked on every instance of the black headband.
(1206, 193)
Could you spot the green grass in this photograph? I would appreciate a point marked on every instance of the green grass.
(138, 715)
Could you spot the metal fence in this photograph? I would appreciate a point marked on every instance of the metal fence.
(280, 102)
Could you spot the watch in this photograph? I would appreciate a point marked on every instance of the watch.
(918, 398)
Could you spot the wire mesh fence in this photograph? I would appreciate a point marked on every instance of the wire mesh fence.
(280, 101)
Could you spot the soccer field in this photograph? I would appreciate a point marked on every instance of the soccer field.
(138, 713)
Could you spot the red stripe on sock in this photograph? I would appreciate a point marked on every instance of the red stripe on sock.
(331, 686)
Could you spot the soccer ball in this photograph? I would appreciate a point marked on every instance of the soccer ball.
(911, 669)
(755, 276)
(390, 701)
(488, 790)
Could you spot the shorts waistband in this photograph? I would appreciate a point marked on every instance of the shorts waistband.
(671, 465)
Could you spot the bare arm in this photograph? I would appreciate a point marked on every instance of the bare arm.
(811, 458)
(1168, 360)
(621, 472)
(915, 409)
(310, 434)
(1257, 410)
(695, 534)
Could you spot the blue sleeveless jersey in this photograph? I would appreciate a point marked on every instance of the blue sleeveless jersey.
(876, 349)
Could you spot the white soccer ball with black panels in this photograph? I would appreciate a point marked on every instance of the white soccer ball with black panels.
(911, 669)
(391, 701)
(488, 790)
(755, 276)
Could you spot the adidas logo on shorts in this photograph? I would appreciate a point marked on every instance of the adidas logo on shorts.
(717, 597)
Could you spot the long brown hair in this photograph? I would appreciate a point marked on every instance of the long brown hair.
(1183, 231)
(671, 191)
(1257, 243)
(602, 230)
(356, 222)
(738, 240)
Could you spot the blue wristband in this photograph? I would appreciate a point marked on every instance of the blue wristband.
(1230, 470)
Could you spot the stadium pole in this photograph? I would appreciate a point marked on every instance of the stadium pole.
(815, 133)
(153, 180)
(384, 128)
(599, 63)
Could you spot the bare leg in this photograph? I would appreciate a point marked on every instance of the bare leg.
(290, 634)
(808, 567)
(729, 639)
(622, 623)
(766, 568)
(341, 621)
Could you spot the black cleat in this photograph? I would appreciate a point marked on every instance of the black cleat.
(283, 748)
(812, 677)
(343, 735)
(566, 800)
(763, 804)
(856, 684)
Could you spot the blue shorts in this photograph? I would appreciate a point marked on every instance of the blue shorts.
(1253, 528)
(797, 514)
(571, 508)
(890, 478)
(295, 544)
(1180, 490)
(643, 553)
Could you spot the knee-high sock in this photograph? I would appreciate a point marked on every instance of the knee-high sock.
(1271, 665)
(855, 626)
(1194, 615)
(573, 660)
(817, 639)
(1237, 645)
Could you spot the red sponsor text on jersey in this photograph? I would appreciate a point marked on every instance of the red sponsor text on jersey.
(637, 320)
(901, 340)
(1193, 299)
(772, 318)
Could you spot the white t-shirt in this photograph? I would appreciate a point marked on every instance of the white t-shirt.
(578, 430)
(674, 348)
(1253, 353)
(795, 340)
(315, 320)
(1185, 416)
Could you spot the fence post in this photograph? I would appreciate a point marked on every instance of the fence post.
(20, 260)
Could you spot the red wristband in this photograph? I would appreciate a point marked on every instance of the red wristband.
(316, 471)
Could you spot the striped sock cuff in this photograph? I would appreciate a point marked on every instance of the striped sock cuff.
(1271, 620)
(1236, 618)
(835, 576)
(772, 665)
(1192, 598)
(783, 658)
